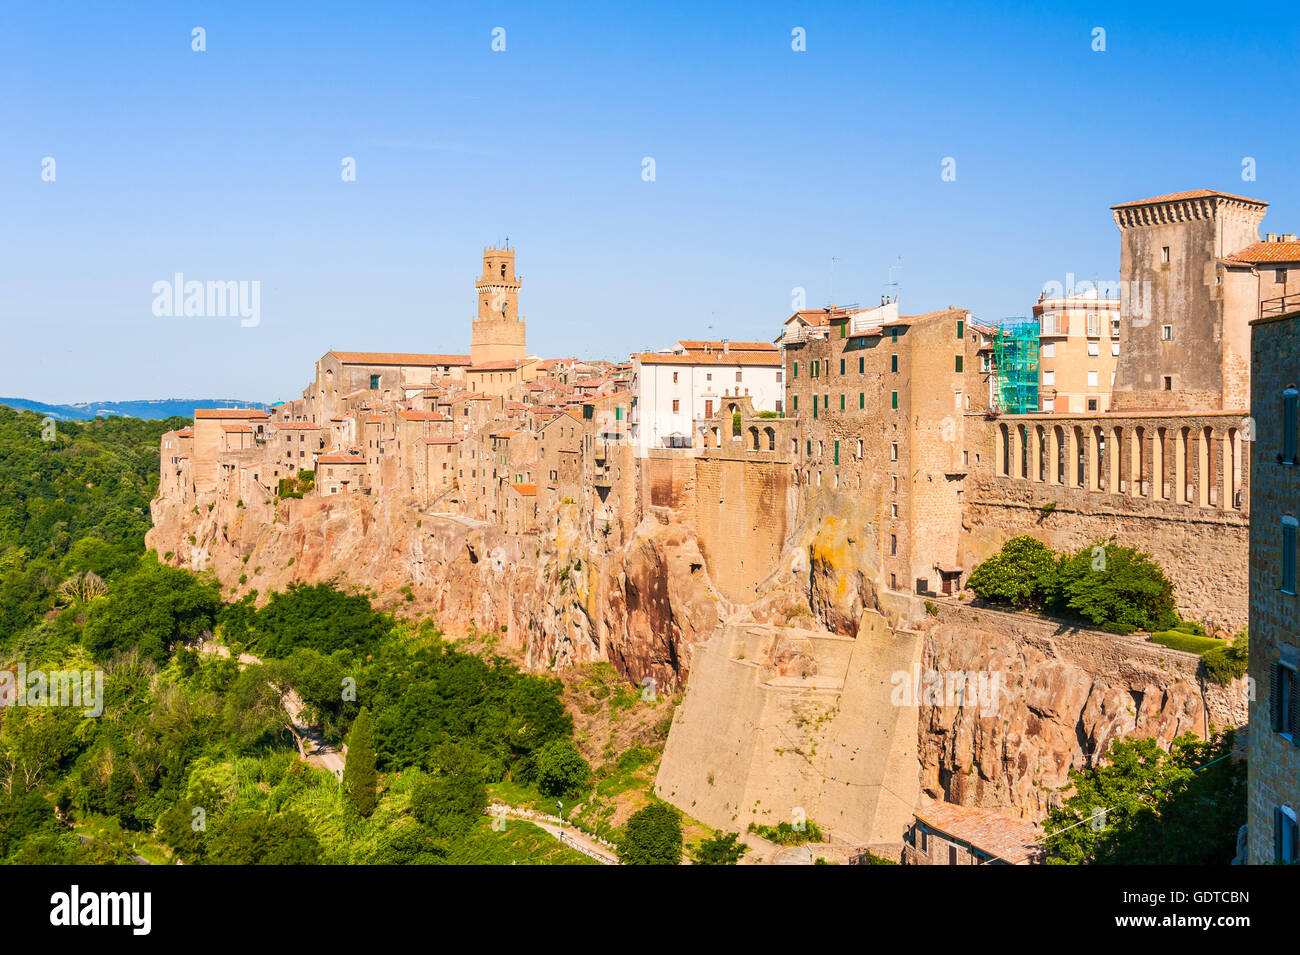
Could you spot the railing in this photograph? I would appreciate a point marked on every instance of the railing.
(1280, 305)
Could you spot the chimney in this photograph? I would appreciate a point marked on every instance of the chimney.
(726, 347)
(1289, 237)
(1270, 237)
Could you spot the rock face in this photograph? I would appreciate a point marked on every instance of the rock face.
(647, 606)
(1063, 697)
(563, 599)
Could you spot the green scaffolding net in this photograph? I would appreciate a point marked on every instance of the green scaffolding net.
(1015, 354)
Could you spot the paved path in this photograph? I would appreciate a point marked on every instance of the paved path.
(575, 839)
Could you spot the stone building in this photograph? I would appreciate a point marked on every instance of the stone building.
(1274, 761)
(882, 403)
(378, 376)
(499, 333)
(1186, 301)
(1078, 349)
(948, 834)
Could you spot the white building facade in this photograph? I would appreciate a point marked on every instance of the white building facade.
(673, 390)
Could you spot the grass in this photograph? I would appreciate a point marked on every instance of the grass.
(519, 843)
(1189, 642)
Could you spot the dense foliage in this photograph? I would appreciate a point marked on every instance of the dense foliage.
(1145, 806)
(720, 850)
(1116, 588)
(652, 836)
(193, 755)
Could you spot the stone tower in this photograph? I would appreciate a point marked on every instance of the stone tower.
(498, 330)
(1184, 310)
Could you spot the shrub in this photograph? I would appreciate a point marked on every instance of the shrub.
(720, 850)
(1015, 575)
(561, 770)
(1225, 664)
(653, 836)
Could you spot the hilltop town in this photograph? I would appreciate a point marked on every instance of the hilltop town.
(774, 527)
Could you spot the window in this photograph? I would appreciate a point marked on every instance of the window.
(844, 326)
(1169, 383)
(1092, 322)
(893, 545)
(738, 376)
(893, 335)
(952, 854)
(893, 363)
(895, 476)
(893, 456)
(1049, 324)
(778, 377)
(1164, 254)
(862, 400)
(958, 365)
(859, 448)
(961, 329)
(1092, 379)
(1166, 333)
(1286, 835)
(1289, 525)
(1114, 328)
(1048, 350)
(1092, 404)
(1049, 377)
(893, 509)
(1284, 700)
(1290, 407)
(796, 370)
(862, 363)
(795, 399)
(837, 456)
(1114, 350)
(893, 399)
(374, 382)
(1093, 350)
(841, 402)
(677, 406)
(1281, 276)
(841, 366)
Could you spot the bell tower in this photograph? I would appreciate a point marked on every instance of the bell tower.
(498, 330)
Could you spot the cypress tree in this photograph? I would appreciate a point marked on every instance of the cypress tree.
(359, 774)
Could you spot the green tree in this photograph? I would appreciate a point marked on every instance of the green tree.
(152, 608)
(1016, 574)
(721, 850)
(1145, 806)
(448, 804)
(252, 837)
(1116, 587)
(652, 836)
(360, 776)
(561, 770)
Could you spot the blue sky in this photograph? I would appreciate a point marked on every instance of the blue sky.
(225, 165)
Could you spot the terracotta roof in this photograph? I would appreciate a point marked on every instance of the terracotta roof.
(442, 440)
(719, 345)
(713, 358)
(821, 316)
(186, 432)
(1262, 252)
(525, 488)
(421, 415)
(236, 429)
(1194, 194)
(340, 457)
(397, 358)
(505, 434)
(1006, 837)
(249, 413)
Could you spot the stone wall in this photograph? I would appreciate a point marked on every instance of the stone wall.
(780, 723)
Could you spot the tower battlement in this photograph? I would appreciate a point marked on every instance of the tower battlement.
(499, 332)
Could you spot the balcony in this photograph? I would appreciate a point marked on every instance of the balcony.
(1280, 305)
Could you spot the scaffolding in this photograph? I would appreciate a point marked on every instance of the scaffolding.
(1015, 355)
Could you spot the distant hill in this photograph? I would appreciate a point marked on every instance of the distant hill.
(151, 408)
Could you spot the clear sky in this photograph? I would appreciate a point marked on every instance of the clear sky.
(226, 165)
